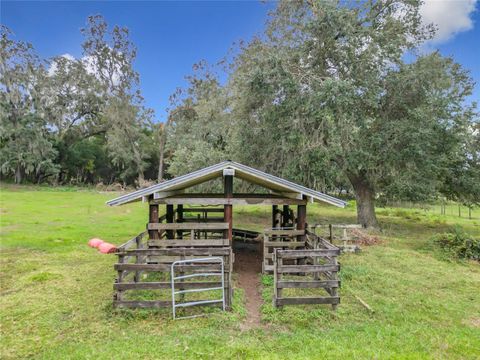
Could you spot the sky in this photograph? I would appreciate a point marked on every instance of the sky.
(172, 36)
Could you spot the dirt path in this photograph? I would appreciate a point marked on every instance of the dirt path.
(248, 266)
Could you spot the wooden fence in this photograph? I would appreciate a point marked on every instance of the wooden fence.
(279, 239)
(339, 234)
(315, 267)
(141, 268)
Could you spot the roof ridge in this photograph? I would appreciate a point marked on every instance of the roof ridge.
(209, 170)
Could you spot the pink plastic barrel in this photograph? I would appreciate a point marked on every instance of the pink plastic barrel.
(107, 248)
(95, 242)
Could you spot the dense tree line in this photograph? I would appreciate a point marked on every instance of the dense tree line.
(338, 98)
(68, 120)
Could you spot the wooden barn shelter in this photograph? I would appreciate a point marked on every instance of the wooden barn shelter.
(209, 232)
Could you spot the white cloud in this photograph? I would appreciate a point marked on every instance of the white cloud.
(450, 16)
(54, 66)
(89, 65)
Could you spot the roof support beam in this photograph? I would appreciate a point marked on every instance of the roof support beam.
(164, 194)
(225, 201)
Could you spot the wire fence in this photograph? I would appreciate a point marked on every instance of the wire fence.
(443, 208)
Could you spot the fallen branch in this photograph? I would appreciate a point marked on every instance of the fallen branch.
(364, 303)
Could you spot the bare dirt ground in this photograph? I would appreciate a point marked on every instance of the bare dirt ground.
(248, 266)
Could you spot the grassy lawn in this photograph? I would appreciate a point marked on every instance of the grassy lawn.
(56, 293)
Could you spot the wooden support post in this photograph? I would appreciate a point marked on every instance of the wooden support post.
(286, 215)
(153, 218)
(277, 277)
(301, 220)
(274, 216)
(334, 290)
(228, 210)
(170, 218)
(180, 220)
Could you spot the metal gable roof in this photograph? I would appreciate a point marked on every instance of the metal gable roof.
(241, 171)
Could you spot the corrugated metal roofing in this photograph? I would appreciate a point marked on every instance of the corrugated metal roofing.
(241, 171)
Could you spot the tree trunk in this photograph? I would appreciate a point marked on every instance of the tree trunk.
(160, 163)
(365, 196)
(141, 179)
(18, 175)
(163, 136)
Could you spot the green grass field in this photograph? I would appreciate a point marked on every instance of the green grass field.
(55, 296)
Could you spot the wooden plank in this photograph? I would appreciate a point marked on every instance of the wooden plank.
(218, 201)
(153, 218)
(309, 300)
(293, 284)
(171, 259)
(206, 220)
(189, 226)
(283, 244)
(268, 268)
(293, 254)
(141, 303)
(199, 242)
(224, 251)
(151, 303)
(307, 268)
(191, 210)
(301, 221)
(131, 242)
(164, 194)
(166, 267)
(284, 232)
(165, 285)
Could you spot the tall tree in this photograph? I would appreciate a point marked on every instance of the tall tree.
(25, 147)
(331, 78)
(110, 54)
(199, 126)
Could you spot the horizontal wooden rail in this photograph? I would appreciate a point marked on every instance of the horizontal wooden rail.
(295, 254)
(141, 303)
(193, 243)
(294, 284)
(284, 232)
(191, 210)
(202, 220)
(189, 226)
(288, 244)
(224, 251)
(132, 242)
(151, 303)
(170, 259)
(288, 269)
(166, 267)
(334, 300)
(165, 285)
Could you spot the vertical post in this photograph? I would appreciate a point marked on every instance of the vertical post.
(301, 220)
(180, 220)
(228, 210)
(153, 218)
(277, 277)
(286, 215)
(274, 216)
(170, 217)
(334, 276)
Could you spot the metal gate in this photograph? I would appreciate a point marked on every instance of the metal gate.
(210, 260)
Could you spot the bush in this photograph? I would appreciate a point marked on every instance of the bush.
(458, 244)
